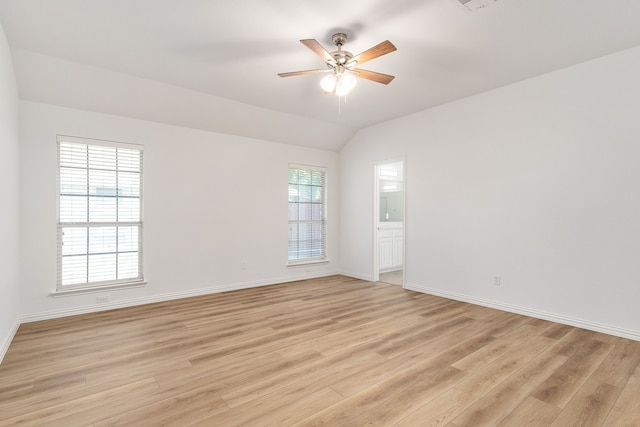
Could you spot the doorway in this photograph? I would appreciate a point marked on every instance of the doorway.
(389, 239)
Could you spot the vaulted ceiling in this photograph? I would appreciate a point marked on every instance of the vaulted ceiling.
(213, 65)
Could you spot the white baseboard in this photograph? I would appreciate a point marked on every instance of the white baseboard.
(558, 318)
(7, 341)
(34, 317)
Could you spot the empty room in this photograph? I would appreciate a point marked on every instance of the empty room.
(286, 213)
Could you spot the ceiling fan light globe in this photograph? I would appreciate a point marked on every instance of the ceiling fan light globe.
(328, 84)
(346, 82)
(342, 90)
(349, 79)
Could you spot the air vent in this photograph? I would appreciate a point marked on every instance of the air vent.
(476, 4)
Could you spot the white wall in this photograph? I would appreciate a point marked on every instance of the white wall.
(211, 201)
(9, 214)
(538, 182)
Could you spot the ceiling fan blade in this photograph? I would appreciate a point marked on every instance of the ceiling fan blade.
(317, 48)
(301, 73)
(385, 79)
(376, 51)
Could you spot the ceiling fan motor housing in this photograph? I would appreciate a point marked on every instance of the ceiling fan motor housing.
(341, 57)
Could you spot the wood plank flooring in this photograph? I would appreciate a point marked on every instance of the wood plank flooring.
(334, 351)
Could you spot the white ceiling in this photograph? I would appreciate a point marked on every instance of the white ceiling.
(234, 50)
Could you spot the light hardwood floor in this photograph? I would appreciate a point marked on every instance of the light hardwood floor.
(334, 351)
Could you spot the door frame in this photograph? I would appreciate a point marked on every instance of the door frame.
(376, 216)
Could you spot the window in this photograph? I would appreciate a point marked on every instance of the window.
(307, 214)
(99, 213)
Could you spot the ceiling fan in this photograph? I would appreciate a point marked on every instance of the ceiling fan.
(342, 65)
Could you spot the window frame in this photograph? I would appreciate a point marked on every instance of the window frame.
(323, 221)
(89, 224)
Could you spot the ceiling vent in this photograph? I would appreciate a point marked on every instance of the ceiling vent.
(476, 4)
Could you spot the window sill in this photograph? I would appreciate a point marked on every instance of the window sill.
(303, 263)
(95, 289)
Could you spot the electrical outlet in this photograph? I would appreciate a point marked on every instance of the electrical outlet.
(102, 299)
(497, 281)
(243, 265)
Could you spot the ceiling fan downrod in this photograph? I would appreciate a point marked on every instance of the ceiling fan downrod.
(340, 56)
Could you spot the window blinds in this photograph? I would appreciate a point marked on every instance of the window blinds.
(307, 213)
(99, 212)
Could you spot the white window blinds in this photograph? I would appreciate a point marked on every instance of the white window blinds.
(307, 214)
(99, 213)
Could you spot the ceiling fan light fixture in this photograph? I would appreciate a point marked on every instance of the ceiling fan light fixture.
(328, 84)
(346, 82)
